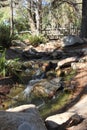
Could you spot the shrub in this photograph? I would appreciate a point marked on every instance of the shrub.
(36, 40)
(2, 63)
(21, 24)
(33, 39)
(12, 67)
(5, 39)
(23, 37)
(9, 67)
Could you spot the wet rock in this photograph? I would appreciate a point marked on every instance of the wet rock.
(23, 116)
(50, 74)
(49, 66)
(71, 40)
(48, 88)
(41, 88)
(60, 73)
(39, 74)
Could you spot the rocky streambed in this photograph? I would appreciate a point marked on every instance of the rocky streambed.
(44, 85)
(45, 78)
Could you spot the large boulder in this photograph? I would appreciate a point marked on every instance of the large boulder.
(63, 121)
(71, 40)
(25, 117)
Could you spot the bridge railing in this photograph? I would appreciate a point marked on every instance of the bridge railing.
(57, 33)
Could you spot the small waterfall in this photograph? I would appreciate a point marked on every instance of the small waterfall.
(29, 87)
(38, 76)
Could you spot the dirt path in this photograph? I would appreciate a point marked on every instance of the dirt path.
(80, 95)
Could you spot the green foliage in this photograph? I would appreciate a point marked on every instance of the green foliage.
(9, 67)
(2, 64)
(70, 75)
(54, 105)
(33, 39)
(5, 39)
(4, 14)
(21, 24)
(36, 40)
(13, 66)
(23, 37)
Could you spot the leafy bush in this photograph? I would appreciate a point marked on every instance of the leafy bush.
(36, 40)
(21, 24)
(2, 63)
(33, 39)
(9, 67)
(13, 67)
(5, 39)
(23, 37)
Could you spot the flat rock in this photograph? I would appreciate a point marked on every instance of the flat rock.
(66, 62)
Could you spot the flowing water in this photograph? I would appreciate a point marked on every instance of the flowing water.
(40, 90)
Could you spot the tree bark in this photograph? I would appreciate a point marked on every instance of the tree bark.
(35, 16)
(11, 19)
(38, 16)
(31, 18)
(84, 20)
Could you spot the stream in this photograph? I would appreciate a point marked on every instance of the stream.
(42, 89)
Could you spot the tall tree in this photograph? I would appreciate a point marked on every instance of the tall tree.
(11, 19)
(34, 9)
(38, 16)
(84, 19)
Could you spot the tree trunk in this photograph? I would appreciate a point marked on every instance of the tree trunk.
(31, 18)
(32, 24)
(11, 19)
(84, 19)
(38, 16)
